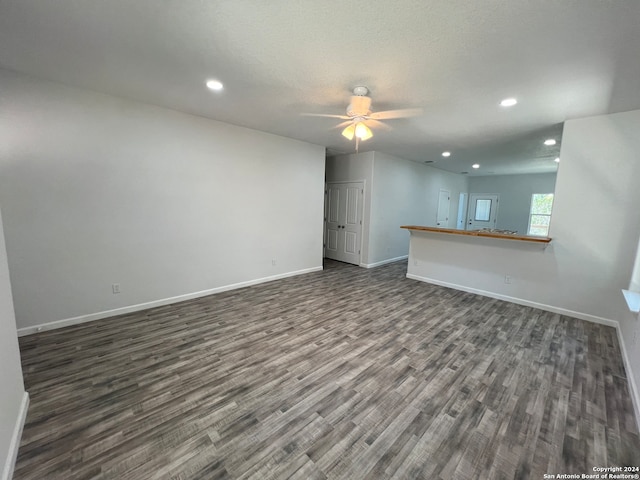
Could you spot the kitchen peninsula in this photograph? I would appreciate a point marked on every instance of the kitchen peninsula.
(498, 264)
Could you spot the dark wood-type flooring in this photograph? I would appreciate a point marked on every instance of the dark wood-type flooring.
(346, 373)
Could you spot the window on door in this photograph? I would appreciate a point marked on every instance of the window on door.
(540, 214)
(483, 210)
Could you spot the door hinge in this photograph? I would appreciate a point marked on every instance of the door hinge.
(358, 252)
(362, 191)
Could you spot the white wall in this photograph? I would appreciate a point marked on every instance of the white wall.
(12, 395)
(595, 229)
(406, 193)
(515, 196)
(98, 190)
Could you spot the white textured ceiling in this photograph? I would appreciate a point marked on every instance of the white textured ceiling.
(456, 59)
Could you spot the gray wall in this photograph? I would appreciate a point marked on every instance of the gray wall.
(11, 385)
(98, 190)
(406, 193)
(515, 196)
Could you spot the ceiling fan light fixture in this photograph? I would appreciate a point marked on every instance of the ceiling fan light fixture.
(363, 132)
(446, 154)
(349, 132)
(508, 102)
(549, 142)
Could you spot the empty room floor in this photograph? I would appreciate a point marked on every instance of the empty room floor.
(347, 373)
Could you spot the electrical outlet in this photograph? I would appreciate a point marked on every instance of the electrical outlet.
(415, 263)
(115, 288)
(273, 262)
(507, 279)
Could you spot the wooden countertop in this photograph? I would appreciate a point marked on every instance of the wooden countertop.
(479, 233)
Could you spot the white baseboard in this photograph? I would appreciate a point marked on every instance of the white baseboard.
(156, 303)
(519, 301)
(12, 454)
(384, 262)
(633, 388)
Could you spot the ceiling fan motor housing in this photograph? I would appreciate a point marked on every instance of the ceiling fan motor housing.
(359, 106)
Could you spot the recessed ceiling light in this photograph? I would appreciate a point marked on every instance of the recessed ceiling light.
(475, 165)
(446, 154)
(557, 160)
(214, 85)
(508, 102)
(550, 141)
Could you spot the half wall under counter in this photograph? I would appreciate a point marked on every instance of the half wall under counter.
(514, 268)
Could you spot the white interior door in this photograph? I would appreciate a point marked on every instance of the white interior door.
(483, 211)
(444, 203)
(345, 202)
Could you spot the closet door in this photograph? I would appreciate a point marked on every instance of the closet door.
(345, 202)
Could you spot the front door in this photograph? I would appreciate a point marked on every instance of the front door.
(345, 202)
(483, 211)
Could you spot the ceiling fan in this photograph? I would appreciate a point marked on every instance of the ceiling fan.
(359, 118)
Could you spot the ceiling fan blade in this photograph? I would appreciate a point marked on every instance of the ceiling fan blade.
(326, 115)
(344, 124)
(376, 124)
(391, 114)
